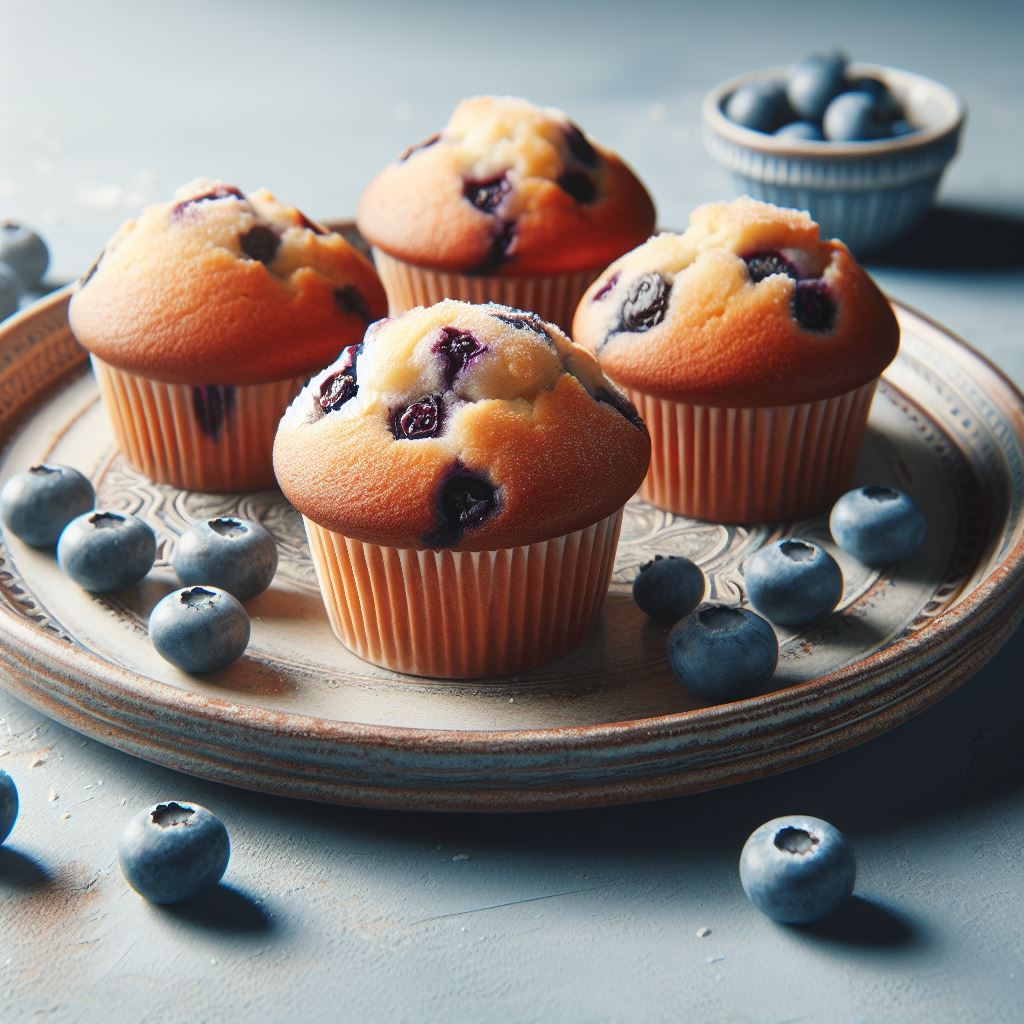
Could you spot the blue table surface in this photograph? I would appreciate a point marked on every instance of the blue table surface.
(334, 914)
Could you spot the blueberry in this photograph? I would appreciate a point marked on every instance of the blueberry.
(37, 504)
(349, 299)
(104, 551)
(645, 303)
(174, 852)
(764, 264)
(878, 525)
(487, 194)
(668, 588)
(814, 83)
(580, 147)
(419, 420)
(199, 629)
(217, 192)
(793, 582)
(260, 243)
(8, 805)
(236, 555)
(854, 117)
(10, 291)
(809, 131)
(457, 350)
(465, 500)
(341, 387)
(797, 869)
(812, 306)
(24, 252)
(888, 105)
(606, 289)
(578, 185)
(722, 653)
(760, 106)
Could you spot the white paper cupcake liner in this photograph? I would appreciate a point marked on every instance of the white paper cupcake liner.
(554, 297)
(752, 465)
(464, 614)
(197, 438)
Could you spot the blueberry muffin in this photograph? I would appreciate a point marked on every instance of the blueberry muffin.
(509, 202)
(751, 347)
(204, 317)
(462, 474)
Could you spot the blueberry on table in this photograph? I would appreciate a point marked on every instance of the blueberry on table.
(807, 131)
(10, 291)
(8, 804)
(797, 869)
(722, 653)
(760, 106)
(236, 555)
(24, 252)
(854, 117)
(668, 588)
(199, 629)
(793, 582)
(174, 852)
(878, 525)
(813, 83)
(36, 505)
(104, 551)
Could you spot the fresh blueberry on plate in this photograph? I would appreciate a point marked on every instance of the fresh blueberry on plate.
(722, 653)
(104, 551)
(199, 629)
(808, 131)
(877, 525)
(8, 804)
(814, 83)
(174, 852)
(668, 587)
(25, 252)
(36, 505)
(855, 117)
(760, 106)
(236, 555)
(10, 291)
(793, 582)
(797, 869)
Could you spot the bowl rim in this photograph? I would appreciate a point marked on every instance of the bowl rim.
(715, 119)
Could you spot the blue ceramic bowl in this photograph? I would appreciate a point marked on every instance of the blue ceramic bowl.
(866, 193)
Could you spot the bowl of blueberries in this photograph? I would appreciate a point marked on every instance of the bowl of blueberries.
(861, 147)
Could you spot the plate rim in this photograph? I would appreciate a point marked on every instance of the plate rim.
(83, 685)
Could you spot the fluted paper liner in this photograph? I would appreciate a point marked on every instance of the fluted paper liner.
(553, 296)
(464, 614)
(196, 438)
(752, 465)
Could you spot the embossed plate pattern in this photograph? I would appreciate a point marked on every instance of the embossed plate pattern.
(301, 716)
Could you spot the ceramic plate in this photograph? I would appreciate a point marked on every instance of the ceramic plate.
(300, 716)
